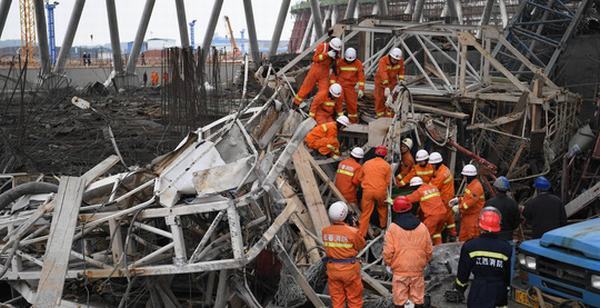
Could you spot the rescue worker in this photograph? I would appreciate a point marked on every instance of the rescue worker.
(406, 250)
(434, 210)
(374, 178)
(323, 137)
(407, 161)
(351, 75)
(422, 169)
(154, 78)
(342, 243)
(347, 170)
(390, 71)
(488, 258)
(545, 211)
(320, 69)
(326, 104)
(444, 181)
(508, 208)
(469, 205)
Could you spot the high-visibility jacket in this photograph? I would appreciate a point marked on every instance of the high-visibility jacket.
(347, 170)
(324, 107)
(444, 181)
(407, 252)
(342, 242)
(430, 200)
(350, 74)
(320, 57)
(406, 164)
(424, 173)
(375, 175)
(318, 74)
(389, 74)
(323, 138)
(470, 205)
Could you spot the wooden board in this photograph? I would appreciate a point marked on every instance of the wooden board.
(56, 258)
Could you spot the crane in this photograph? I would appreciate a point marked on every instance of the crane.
(234, 46)
(27, 18)
(192, 25)
(50, 6)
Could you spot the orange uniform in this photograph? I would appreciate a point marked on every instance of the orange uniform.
(323, 138)
(154, 78)
(444, 181)
(374, 178)
(433, 209)
(387, 76)
(350, 75)
(324, 107)
(406, 164)
(317, 74)
(342, 243)
(424, 173)
(407, 252)
(347, 170)
(470, 204)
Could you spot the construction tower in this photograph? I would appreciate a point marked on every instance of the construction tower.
(27, 28)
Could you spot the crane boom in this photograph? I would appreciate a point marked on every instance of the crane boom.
(234, 45)
(27, 19)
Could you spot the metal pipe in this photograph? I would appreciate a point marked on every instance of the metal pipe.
(315, 8)
(350, 9)
(210, 30)
(306, 36)
(418, 11)
(4, 8)
(40, 18)
(139, 36)
(181, 20)
(487, 12)
(382, 8)
(283, 9)
(115, 42)
(252, 32)
(67, 43)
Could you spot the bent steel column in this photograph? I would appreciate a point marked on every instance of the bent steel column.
(40, 23)
(139, 36)
(418, 10)
(285, 6)
(252, 32)
(210, 30)
(315, 8)
(306, 37)
(4, 8)
(350, 9)
(115, 42)
(487, 12)
(182, 21)
(382, 7)
(67, 42)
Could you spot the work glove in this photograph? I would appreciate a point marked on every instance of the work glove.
(332, 54)
(303, 106)
(455, 209)
(386, 92)
(335, 156)
(389, 200)
(388, 269)
(361, 93)
(453, 202)
(396, 89)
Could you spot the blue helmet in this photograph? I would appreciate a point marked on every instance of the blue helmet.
(501, 183)
(542, 183)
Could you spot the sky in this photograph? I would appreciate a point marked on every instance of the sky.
(163, 23)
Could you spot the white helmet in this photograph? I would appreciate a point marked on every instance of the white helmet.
(357, 153)
(416, 181)
(338, 211)
(335, 44)
(335, 90)
(422, 155)
(435, 158)
(343, 120)
(396, 53)
(408, 143)
(469, 170)
(350, 54)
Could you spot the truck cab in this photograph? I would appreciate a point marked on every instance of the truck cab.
(564, 265)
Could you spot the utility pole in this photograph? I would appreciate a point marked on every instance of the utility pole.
(192, 25)
(51, 31)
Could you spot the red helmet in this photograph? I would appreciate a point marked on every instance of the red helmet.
(489, 219)
(401, 205)
(381, 150)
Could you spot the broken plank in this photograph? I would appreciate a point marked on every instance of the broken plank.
(62, 228)
(376, 285)
(583, 200)
(442, 112)
(282, 218)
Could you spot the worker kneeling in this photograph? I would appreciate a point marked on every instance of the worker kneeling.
(342, 244)
(407, 250)
(326, 104)
(434, 210)
(323, 137)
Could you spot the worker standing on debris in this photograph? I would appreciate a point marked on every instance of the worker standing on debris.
(469, 205)
(406, 251)
(488, 258)
(545, 211)
(390, 71)
(154, 78)
(323, 137)
(508, 208)
(422, 169)
(326, 104)
(434, 210)
(320, 70)
(407, 162)
(374, 177)
(342, 244)
(444, 181)
(347, 170)
(351, 75)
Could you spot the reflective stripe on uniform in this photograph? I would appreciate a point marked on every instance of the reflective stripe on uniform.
(329, 104)
(450, 226)
(345, 172)
(395, 67)
(379, 114)
(349, 68)
(448, 180)
(458, 282)
(360, 83)
(437, 235)
(338, 245)
(324, 127)
(331, 81)
(312, 114)
(353, 115)
(331, 147)
(467, 191)
(321, 57)
(298, 97)
(490, 254)
(465, 206)
(424, 172)
(482, 197)
(386, 81)
(435, 194)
